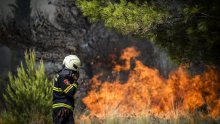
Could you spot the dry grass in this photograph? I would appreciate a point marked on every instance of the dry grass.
(115, 119)
(174, 117)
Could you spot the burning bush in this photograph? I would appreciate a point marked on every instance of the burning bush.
(146, 92)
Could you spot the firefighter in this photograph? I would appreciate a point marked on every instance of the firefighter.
(65, 87)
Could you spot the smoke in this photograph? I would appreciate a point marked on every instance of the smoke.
(35, 5)
(6, 53)
(4, 8)
(5, 63)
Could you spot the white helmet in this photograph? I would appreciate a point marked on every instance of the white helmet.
(72, 62)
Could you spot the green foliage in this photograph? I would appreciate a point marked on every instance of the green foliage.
(187, 29)
(194, 37)
(28, 96)
(126, 17)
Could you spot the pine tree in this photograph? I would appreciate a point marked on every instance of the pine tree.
(28, 95)
(187, 29)
(126, 17)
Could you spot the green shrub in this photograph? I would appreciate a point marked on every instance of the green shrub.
(28, 96)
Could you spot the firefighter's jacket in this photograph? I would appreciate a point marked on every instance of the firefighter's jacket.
(63, 90)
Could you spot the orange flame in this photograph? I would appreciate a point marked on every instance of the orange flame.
(146, 92)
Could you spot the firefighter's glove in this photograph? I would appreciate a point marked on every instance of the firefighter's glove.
(76, 83)
(75, 75)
